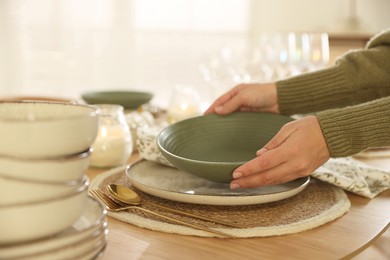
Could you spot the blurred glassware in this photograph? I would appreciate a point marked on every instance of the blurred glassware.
(270, 57)
(113, 145)
(319, 50)
(184, 103)
(307, 52)
(275, 56)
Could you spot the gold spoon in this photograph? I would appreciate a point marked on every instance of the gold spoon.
(130, 197)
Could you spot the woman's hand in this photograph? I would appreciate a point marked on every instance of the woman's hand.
(297, 150)
(247, 97)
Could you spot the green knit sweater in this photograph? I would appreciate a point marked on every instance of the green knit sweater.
(350, 99)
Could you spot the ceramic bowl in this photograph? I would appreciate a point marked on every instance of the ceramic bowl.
(127, 99)
(29, 221)
(16, 191)
(37, 98)
(31, 129)
(90, 224)
(50, 170)
(212, 146)
(85, 249)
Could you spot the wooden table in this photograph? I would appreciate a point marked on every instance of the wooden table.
(342, 238)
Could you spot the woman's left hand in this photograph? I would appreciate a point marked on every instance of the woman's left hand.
(297, 150)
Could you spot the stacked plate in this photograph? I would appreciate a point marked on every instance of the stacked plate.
(45, 211)
(84, 239)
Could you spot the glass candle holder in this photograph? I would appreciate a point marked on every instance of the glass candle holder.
(113, 145)
(184, 103)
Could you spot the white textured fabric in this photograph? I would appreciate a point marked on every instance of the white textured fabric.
(354, 176)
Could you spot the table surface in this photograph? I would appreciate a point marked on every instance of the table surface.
(343, 238)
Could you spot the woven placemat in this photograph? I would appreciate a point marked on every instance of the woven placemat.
(317, 204)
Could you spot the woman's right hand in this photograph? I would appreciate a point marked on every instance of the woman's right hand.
(247, 97)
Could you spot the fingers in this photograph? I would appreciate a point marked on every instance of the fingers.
(270, 168)
(217, 106)
(262, 163)
(267, 157)
(296, 151)
(229, 102)
(279, 174)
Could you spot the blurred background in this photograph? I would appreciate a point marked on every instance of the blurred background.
(63, 48)
(67, 47)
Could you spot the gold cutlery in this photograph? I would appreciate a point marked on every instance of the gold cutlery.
(112, 205)
(130, 197)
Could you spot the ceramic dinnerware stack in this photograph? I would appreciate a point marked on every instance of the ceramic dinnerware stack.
(45, 211)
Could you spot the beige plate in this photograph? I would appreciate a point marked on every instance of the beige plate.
(374, 153)
(172, 184)
(36, 98)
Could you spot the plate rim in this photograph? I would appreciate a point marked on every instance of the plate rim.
(63, 238)
(228, 200)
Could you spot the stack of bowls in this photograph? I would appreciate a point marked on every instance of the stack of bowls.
(45, 211)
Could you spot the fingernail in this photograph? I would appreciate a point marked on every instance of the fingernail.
(218, 109)
(237, 175)
(234, 186)
(261, 151)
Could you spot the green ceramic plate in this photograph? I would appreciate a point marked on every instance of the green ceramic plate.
(212, 146)
(127, 99)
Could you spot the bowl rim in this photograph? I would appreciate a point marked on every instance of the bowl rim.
(92, 113)
(193, 160)
(235, 163)
(80, 189)
(99, 224)
(88, 94)
(70, 183)
(38, 98)
(68, 157)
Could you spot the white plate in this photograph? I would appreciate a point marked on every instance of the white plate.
(172, 184)
(90, 224)
(374, 153)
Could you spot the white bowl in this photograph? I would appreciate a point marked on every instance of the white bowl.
(91, 224)
(84, 249)
(59, 169)
(78, 250)
(29, 221)
(46, 129)
(16, 191)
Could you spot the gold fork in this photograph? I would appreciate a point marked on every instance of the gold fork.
(112, 205)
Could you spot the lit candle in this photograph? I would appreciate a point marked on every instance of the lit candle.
(184, 103)
(182, 111)
(113, 145)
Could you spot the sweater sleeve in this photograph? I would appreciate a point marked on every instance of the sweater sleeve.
(351, 98)
(352, 129)
(358, 76)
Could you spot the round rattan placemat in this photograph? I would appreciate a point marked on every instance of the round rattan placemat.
(317, 204)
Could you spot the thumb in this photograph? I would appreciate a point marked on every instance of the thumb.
(276, 141)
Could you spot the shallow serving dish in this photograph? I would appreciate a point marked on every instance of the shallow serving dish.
(55, 170)
(29, 221)
(37, 98)
(16, 191)
(127, 99)
(90, 224)
(172, 184)
(80, 250)
(46, 129)
(212, 146)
